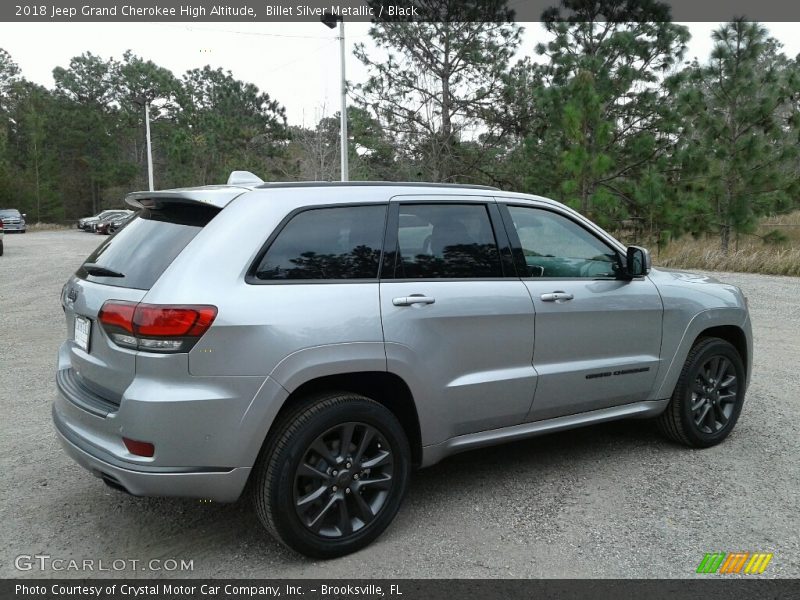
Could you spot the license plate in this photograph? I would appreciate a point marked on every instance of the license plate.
(83, 330)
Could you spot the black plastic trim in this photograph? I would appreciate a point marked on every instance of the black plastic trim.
(82, 397)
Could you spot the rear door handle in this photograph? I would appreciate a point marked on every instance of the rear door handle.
(413, 299)
(556, 297)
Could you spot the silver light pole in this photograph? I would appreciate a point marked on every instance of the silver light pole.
(330, 20)
(144, 100)
(149, 147)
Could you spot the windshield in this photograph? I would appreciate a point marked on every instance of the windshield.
(9, 213)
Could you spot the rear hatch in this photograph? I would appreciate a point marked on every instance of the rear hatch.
(123, 268)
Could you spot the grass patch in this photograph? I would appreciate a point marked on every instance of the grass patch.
(774, 250)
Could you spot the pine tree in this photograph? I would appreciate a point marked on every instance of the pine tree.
(599, 120)
(741, 129)
(438, 82)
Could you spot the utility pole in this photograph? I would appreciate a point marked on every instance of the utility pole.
(149, 147)
(144, 100)
(330, 21)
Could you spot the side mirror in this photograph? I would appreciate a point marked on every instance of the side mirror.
(638, 261)
(24, 216)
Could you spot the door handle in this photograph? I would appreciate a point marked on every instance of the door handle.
(413, 299)
(556, 297)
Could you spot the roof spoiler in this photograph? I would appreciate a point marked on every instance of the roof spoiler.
(216, 196)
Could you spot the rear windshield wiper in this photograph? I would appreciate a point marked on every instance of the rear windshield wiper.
(100, 271)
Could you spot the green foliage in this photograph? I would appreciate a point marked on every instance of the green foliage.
(607, 118)
(80, 147)
(741, 129)
(600, 125)
(775, 237)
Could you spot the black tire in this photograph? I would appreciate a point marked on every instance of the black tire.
(704, 407)
(1, 247)
(281, 486)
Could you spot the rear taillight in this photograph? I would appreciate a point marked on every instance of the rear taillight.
(155, 327)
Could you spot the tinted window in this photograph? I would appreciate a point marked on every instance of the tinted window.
(327, 243)
(555, 246)
(147, 245)
(446, 241)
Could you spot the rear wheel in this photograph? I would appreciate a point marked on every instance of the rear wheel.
(332, 476)
(708, 397)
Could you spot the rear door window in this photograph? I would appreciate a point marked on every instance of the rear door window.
(142, 250)
(326, 243)
(446, 241)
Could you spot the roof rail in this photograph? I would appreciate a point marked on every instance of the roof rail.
(286, 184)
(244, 178)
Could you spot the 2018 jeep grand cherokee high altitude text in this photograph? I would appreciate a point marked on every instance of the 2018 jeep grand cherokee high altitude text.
(317, 340)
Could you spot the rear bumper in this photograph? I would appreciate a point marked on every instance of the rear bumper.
(218, 484)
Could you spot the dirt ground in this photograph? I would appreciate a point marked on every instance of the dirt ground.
(607, 501)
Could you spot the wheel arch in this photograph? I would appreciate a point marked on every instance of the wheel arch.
(729, 324)
(732, 334)
(384, 387)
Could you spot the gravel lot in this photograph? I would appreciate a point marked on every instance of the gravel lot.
(608, 501)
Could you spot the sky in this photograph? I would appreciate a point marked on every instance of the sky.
(297, 64)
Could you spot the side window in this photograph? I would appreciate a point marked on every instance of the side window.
(446, 241)
(555, 246)
(327, 243)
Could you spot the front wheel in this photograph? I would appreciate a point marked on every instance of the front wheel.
(332, 476)
(708, 397)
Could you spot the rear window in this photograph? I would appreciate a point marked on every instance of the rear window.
(327, 243)
(143, 249)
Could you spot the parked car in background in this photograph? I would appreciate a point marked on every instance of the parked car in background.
(87, 222)
(13, 220)
(120, 222)
(203, 353)
(110, 224)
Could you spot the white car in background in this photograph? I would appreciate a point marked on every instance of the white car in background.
(13, 220)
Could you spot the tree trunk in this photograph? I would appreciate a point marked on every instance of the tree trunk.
(725, 237)
(725, 218)
(447, 124)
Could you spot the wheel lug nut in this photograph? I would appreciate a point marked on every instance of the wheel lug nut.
(347, 490)
(335, 473)
(355, 476)
(334, 488)
(348, 465)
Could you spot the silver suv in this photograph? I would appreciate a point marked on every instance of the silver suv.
(315, 341)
